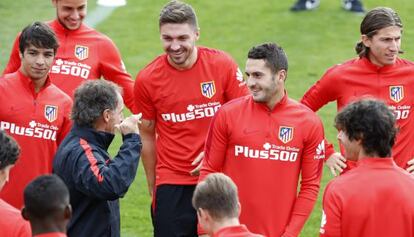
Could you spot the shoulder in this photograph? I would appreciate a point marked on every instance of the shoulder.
(302, 111)
(215, 56)
(343, 67)
(61, 97)
(237, 104)
(153, 69)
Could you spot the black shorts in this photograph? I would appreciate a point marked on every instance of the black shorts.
(173, 214)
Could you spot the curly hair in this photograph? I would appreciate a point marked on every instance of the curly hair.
(370, 121)
(9, 150)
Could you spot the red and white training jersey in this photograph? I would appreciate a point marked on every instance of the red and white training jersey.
(82, 54)
(375, 199)
(359, 78)
(182, 103)
(265, 152)
(38, 122)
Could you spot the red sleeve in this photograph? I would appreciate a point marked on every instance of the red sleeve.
(67, 123)
(331, 214)
(215, 146)
(14, 62)
(113, 69)
(235, 86)
(324, 91)
(143, 102)
(311, 172)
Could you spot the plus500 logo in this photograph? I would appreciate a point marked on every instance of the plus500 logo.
(194, 113)
(72, 70)
(37, 132)
(271, 154)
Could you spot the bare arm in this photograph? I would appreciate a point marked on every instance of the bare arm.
(148, 154)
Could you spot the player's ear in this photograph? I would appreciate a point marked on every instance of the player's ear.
(366, 40)
(239, 208)
(106, 115)
(68, 212)
(25, 215)
(54, 2)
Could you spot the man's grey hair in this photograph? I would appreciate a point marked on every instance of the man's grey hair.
(92, 98)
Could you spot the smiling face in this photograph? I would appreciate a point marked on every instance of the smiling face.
(384, 45)
(265, 86)
(70, 13)
(178, 42)
(36, 62)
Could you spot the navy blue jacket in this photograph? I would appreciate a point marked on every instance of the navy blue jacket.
(96, 181)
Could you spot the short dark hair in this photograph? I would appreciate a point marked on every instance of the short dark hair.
(375, 20)
(272, 54)
(177, 12)
(91, 99)
(370, 121)
(218, 195)
(45, 195)
(39, 35)
(9, 150)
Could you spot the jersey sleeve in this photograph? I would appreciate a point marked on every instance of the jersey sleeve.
(311, 172)
(322, 92)
(14, 61)
(107, 180)
(215, 146)
(235, 86)
(331, 214)
(143, 101)
(113, 69)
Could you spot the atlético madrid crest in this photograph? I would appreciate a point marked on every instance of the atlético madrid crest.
(396, 93)
(51, 112)
(81, 52)
(208, 89)
(285, 134)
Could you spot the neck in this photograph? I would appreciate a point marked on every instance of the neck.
(188, 63)
(37, 83)
(276, 99)
(364, 155)
(43, 227)
(216, 226)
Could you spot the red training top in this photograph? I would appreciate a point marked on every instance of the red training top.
(358, 78)
(265, 152)
(182, 102)
(375, 199)
(235, 231)
(82, 54)
(12, 223)
(38, 122)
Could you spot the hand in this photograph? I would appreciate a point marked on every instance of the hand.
(198, 160)
(130, 124)
(410, 166)
(150, 187)
(336, 163)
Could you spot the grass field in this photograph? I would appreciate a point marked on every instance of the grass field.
(313, 42)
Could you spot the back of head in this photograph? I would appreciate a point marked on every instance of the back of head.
(371, 122)
(9, 150)
(218, 195)
(45, 197)
(39, 35)
(176, 12)
(91, 99)
(272, 54)
(375, 20)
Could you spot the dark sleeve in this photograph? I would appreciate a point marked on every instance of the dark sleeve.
(107, 179)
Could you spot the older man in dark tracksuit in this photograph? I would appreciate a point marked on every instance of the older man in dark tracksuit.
(96, 181)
